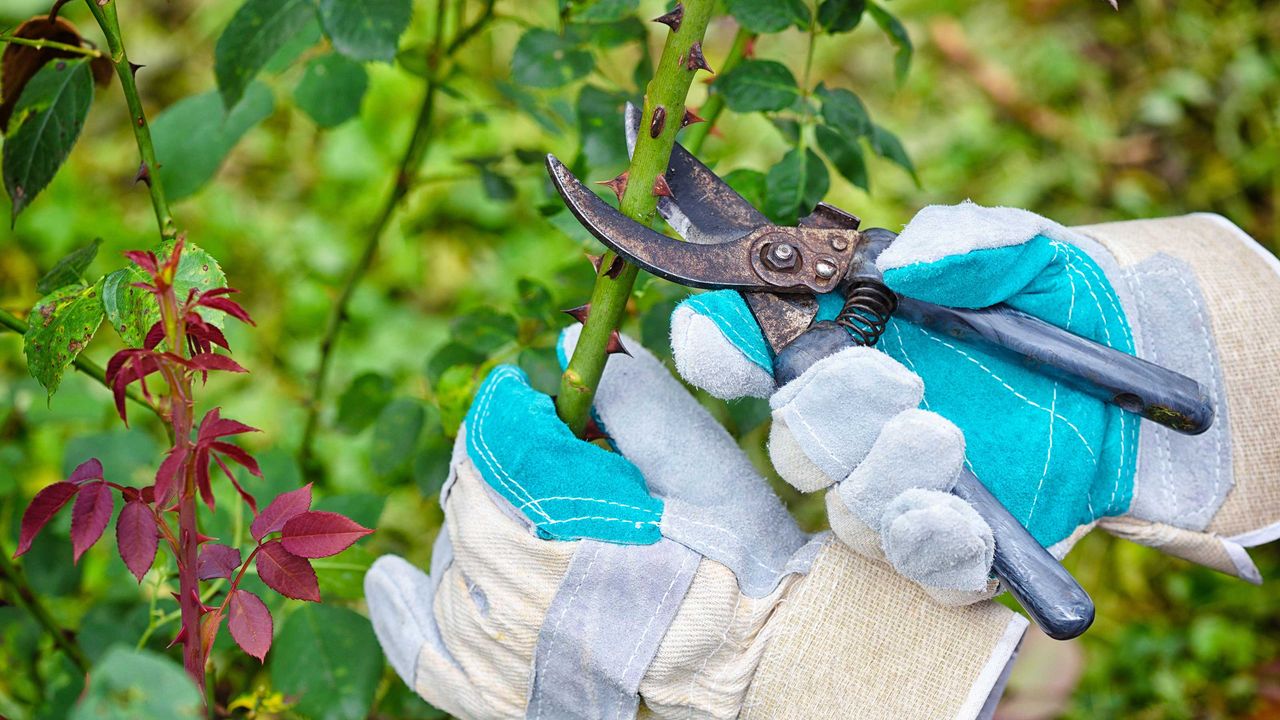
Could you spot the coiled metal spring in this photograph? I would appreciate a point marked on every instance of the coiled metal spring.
(867, 309)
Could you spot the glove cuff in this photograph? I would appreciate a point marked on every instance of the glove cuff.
(855, 635)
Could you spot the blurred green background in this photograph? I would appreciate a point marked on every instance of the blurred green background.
(1064, 107)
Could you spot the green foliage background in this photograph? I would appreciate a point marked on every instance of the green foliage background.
(1061, 106)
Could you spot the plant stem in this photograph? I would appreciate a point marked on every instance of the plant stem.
(88, 367)
(419, 142)
(667, 89)
(107, 20)
(50, 44)
(711, 109)
(12, 574)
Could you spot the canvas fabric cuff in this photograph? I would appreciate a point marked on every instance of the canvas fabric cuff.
(1220, 494)
(856, 640)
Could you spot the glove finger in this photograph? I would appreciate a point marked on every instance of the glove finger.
(568, 489)
(852, 531)
(937, 540)
(916, 449)
(655, 422)
(828, 419)
(968, 255)
(718, 347)
(399, 599)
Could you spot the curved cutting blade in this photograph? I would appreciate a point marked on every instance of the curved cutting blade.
(702, 207)
(725, 265)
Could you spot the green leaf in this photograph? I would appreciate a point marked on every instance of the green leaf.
(794, 186)
(897, 35)
(395, 436)
(328, 658)
(453, 394)
(450, 355)
(258, 30)
(431, 464)
(837, 16)
(130, 684)
(759, 85)
(484, 330)
(361, 402)
(58, 328)
(293, 48)
(543, 59)
(543, 368)
(845, 154)
(195, 134)
(413, 60)
(886, 145)
(132, 311)
(342, 576)
(606, 35)
(606, 11)
(331, 89)
(598, 112)
(496, 185)
(366, 29)
(44, 126)
(844, 112)
(69, 269)
(749, 184)
(769, 16)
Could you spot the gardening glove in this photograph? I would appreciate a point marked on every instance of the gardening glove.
(665, 578)
(1194, 294)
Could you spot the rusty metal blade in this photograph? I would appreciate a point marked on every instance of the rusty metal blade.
(724, 265)
(702, 207)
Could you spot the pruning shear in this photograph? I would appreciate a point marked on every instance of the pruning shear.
(780, 271)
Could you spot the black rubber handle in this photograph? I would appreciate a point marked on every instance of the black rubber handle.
(1129, 382)
(1053, 599)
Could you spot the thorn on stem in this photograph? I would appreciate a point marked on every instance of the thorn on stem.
(690, 117)
(144, 175)
(135, 67)
(595, 261)
(615, 268)
(579, 313)
(615, 345)
(659, 121)
(618, 185)
(660, 187)
(592, 431)
(696, 61)
(673, 18)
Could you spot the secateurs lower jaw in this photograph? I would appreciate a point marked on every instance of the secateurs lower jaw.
(780, 271)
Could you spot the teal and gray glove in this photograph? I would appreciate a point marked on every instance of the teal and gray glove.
(1058, 459)
(572, 582)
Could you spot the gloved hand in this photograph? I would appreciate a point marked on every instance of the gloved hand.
(573, 582)
(1058, 459)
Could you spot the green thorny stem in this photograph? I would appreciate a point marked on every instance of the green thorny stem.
(105, 14)
(41, 44)
(667, 90)
(419, 142)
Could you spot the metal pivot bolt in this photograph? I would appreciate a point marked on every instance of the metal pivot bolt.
(781, 256)
(824, 269)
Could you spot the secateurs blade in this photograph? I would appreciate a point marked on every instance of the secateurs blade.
(729, 244)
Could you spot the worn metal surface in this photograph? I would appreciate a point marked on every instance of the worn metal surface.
(739, 264)
(702, 208)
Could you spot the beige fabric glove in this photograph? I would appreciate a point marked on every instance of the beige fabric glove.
(1235, 503)
(733, 612)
